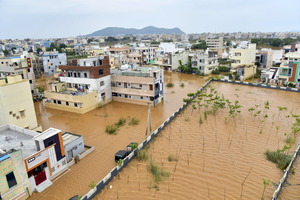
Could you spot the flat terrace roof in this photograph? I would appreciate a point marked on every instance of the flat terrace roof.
(11, 139)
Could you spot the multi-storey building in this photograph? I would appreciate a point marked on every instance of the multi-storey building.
(215, 44)
(16, 105)
(205, 61)
(289, 68)
(85, 85)
(171, 61)
(243, 56)
(148, 53)
(19, 65)
(265, 59)
(51, 61)
(246, 71)
(138, 86)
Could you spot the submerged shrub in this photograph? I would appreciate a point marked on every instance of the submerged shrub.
(170, 85)
(111, 129)
(134, 122)
(142, 155)
(120, 122)
(280, 159)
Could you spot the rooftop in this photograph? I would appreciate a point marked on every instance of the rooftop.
(69, 137)
(137, 72)
(14, 138)
(46, 134)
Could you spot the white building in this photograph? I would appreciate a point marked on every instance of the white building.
(51, 61)
(243, 56)
(205, 61)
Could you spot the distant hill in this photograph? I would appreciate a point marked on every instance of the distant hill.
(113, 31)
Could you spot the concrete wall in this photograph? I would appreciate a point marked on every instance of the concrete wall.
(14, 98)
(77, 147)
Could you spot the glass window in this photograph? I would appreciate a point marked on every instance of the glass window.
(75, 104)
(59, 102)
(11, 179)
(67, 103)
(22, 113)
(101, 72)
(101, 83)
(54, 101)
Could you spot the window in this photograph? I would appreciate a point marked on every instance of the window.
(103, 95)
(101, 83)
(37, 144)
(28, 70)
(100, 62)
(50, 143)
(54, 101)
(85, 75)
(75, 104)
(30, 81)
(22, 113)
(59, 102)
(32, 91)
(75, 75)
(78, 74)
(119, 83)
(101, 72)
(126, 96)
(141, 97)
(129, 96)
(140, 85)
(60, 63)
(67, 103)
(51, 64)
(11, 179)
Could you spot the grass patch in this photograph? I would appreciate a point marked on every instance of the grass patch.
(158, 174)
(142, 155)
(187, 118)
(290, 139)
(134, 122)
(280, 159)
(172, 158)
(111, 129)
(120, 122)
(170, 84)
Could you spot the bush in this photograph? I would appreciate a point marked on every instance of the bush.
(280, 159)
(170, 85)
(224, 69)
(142, 155)
(111, 129)
(187, 119)
(158, 174)
(172, 158)
(216, 71)
(134, 122)
(120, 122)
(182, 85)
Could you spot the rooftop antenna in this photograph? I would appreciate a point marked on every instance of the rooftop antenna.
(149, 120)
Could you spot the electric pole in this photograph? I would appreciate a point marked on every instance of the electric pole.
(149, 120)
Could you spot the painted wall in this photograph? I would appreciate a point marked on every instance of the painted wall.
(246, 57)
(77, 147)
(15, 97)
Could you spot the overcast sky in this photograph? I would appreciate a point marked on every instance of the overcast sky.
(63, 18)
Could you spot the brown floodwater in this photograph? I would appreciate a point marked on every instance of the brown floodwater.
(213, 172)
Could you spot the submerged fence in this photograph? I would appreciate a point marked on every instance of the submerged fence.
(114, 172)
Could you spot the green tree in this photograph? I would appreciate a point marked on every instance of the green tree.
(201, 45)
(89, 40)
(62, 46)
(38, 50)
(276, 42)
(6, 53)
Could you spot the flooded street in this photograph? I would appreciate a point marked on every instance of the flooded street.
(214, 158)
(92, 126)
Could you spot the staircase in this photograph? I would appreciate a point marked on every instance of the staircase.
(41, 187)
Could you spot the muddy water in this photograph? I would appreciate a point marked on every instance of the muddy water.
(92, 126)
(215, 159)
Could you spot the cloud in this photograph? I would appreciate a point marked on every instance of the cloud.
(63, 18)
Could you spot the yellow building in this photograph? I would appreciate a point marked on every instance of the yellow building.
(14, 182)
(16, 105)
(243, 56)
(96, 52)
(246, 71)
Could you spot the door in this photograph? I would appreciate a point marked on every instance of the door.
(40, 177)
(70, 155)
(151, 87)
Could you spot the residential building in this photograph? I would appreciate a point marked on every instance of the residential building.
(51, 61)
(16, 105)
(206, 61)
(289, 68)
(270, 75)
(73, 145)
(265, 59)
(147, 52)
(215, 44)
(46, 44)
(116, 50)
(42, 153)
(85, 85)
(14, 180)
(20, 65)
(171, 61)
(135, 57)
(243, 56)
(138, 86)
(246, 71)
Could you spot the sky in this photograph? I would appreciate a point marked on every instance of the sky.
(65, 18)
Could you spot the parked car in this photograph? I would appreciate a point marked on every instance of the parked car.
(123, 153)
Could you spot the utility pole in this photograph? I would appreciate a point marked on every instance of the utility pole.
(253, 74)
(149, 120)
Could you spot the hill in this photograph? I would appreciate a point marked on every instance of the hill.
(113, 31)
